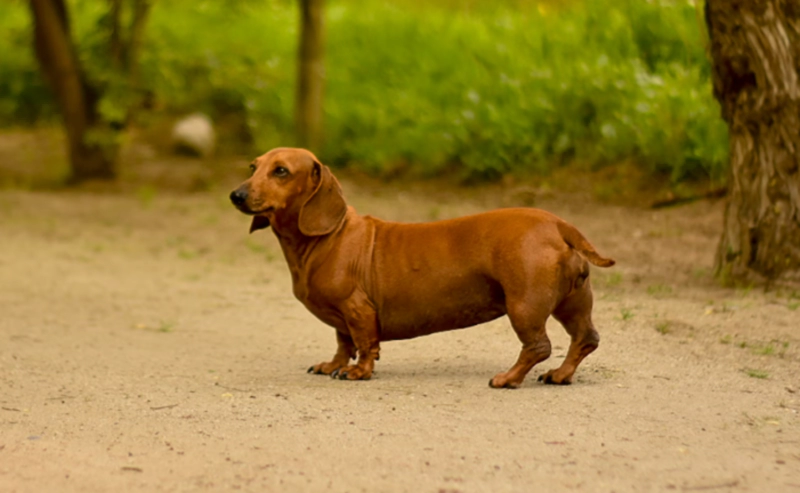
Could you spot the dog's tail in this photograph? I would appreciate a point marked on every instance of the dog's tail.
(575, 239)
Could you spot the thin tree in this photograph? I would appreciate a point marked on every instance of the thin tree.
(755, 49)
(92, 134)
(310, 74)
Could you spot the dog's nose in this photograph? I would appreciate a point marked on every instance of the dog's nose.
(238, 197)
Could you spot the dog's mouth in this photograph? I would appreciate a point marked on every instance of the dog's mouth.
(243, 208)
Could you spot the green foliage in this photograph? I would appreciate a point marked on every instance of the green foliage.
(481, 88)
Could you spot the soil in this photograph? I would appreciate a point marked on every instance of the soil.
(147, 343)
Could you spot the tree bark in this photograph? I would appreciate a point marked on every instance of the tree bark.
(310, 75)
(755, 49)
(141, 10)
(91, 155)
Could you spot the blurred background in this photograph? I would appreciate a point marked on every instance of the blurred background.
(469, 90)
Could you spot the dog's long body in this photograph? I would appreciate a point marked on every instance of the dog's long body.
(374, 280)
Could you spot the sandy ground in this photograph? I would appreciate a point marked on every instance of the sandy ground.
(147, 343)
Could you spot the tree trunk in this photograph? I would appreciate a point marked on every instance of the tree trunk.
(755, 49)
(310, 75)
(91, 151)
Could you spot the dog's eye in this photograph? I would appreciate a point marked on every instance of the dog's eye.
(252, 168)
(280, 171)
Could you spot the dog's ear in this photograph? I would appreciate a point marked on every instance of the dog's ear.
(325, 208)
(259, 222)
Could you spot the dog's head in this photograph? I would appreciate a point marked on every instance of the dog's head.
(288, 186)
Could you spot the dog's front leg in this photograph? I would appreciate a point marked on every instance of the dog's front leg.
(362, 322)
(345, 351)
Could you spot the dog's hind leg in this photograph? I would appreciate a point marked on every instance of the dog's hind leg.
(528, 313)
(575, 314)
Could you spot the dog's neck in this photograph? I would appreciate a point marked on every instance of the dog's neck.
(297, 247)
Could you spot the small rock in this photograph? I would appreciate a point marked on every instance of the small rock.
(194, 135)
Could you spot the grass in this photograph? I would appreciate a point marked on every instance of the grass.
(659, 290)
(663, 327)
(188, 253)
(613, 279)
(625, 314)
(260, 248)
(766, 350)
(163, 327)
(146, 195)
(774, 347)
(754, 373)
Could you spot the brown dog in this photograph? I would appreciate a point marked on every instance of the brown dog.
(376, 281)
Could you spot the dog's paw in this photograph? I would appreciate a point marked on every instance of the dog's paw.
(553, 377)
(353, 372)
(501, 381)
(325, 368)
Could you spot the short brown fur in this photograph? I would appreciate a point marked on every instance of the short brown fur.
(375, 280)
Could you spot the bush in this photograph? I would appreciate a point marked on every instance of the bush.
(482, 88)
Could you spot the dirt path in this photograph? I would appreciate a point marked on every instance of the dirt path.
(148, 344)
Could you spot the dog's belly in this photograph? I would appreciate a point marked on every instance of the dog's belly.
(438, 305)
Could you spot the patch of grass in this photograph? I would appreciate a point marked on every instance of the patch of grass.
(96, 247)
(165, 327)
(625, 314)
(793, 305)
(754, 373)
(663, 327)
(255, 246)
(774, 347)
(146, 195)
(187, 253)
(744, 290)
(659, 290)
(604, 191)
(766, 350)
(261, 249)
(613, 279)
(725, 339)
(162, 327)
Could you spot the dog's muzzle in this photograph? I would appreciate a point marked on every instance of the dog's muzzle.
(239, 199)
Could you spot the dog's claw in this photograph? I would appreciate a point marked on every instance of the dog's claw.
(310, 369)
(334, 373)
(549, 379)
(343, 375)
